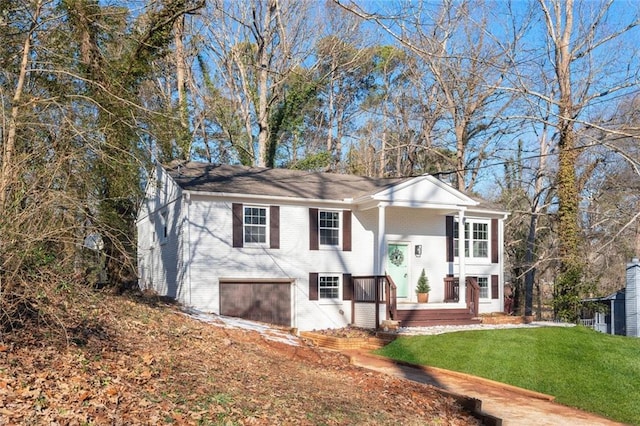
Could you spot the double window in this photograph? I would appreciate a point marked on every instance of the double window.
(476, 239)
(329, 287)
(255, 225)
(329, 228)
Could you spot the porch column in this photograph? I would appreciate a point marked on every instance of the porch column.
(612, 314)
(382, 240)
(462, 241)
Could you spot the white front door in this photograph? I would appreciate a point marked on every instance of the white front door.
(398, 267)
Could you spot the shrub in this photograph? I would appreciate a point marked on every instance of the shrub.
(423, 283)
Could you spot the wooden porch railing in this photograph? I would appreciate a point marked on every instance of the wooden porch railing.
(451, 289)
(452, 292)
(392, 299)
(473, 295)
(376, 289)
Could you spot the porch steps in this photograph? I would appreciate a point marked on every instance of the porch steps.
(434, 317)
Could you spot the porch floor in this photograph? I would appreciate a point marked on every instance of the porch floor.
(404, 305)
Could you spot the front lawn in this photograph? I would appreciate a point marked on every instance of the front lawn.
(580, 367)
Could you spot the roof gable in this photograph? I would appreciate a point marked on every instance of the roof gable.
(424, 189)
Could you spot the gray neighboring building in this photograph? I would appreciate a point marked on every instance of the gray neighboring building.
(611, 319)
(620, 313)
(632, 301)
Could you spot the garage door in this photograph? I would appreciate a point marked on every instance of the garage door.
(267, 301)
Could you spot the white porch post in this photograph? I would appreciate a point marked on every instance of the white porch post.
(613, 313)
(462, 257)
(382, 240)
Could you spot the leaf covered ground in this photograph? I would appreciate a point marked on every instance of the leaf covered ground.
(127, 360)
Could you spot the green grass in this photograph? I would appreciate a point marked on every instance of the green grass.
(580, 367)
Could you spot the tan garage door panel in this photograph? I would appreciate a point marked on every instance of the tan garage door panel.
(263, 301)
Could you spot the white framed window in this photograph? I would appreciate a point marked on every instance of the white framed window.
(255, 225)
(480, 239)
(329, 228)
(329, 287)
(483, 283)
(476, 239)
(456, 240)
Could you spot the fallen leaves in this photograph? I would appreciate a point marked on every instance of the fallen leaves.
(142, 364)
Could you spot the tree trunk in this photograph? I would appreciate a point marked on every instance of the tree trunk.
(383, 154)
(567, 285)
(263, 84)
(529, 276)
(7, 172)
(460, 151)
(183, 139)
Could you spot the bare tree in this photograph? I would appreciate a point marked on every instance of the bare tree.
(7, 172)
(70, 139)
(577, 37)
(610, 216)
(254, 45)
(467, 66)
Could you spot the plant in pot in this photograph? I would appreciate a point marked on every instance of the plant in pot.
(423, 288)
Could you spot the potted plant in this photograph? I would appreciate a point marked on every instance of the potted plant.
(423, 288)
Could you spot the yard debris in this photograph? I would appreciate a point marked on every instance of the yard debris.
(153, 364)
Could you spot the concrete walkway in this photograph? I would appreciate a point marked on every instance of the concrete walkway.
(514, 406)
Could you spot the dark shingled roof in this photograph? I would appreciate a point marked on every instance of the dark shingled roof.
(204, 177)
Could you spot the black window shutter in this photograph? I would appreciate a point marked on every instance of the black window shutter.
(236, 212)
(449, 234)
(494, 240)
(313, 286)
(274, 227)
(495, 294)
(346, 231)
(313, 229)
(347, 287)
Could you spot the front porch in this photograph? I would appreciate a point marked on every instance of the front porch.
(374, 300)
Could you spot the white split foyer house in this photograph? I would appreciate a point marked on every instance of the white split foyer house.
(310, 250)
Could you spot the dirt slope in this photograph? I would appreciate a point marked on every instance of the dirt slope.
(114, 360)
